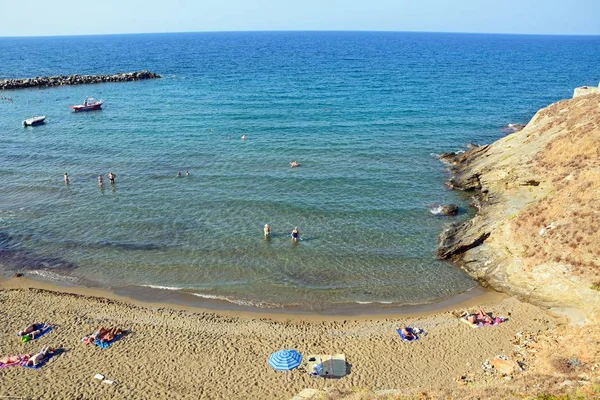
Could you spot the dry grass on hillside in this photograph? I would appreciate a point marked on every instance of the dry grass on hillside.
(564, 227)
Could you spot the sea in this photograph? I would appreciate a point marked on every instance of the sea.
(363, 113)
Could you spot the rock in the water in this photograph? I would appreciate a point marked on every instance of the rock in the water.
(446, 157)
(444, 209)
(512, 128)
(46, 81)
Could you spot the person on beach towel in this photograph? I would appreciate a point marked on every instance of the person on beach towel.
(102, 335)
(36, 359)
(10, 361)
(31, 328)
(408, 335)
(481, 318)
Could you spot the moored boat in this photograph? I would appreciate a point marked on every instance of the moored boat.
(36, 120)
(89, 104)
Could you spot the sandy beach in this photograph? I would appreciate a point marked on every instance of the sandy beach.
(189, 353)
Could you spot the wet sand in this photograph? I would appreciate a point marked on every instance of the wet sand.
(183, 352)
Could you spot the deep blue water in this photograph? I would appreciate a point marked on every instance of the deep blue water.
(361, 112)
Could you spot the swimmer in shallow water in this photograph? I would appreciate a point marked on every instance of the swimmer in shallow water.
(267, 231)
(295, 235)
(66, 178)
(294, 164)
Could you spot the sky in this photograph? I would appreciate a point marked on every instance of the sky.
(68, 17)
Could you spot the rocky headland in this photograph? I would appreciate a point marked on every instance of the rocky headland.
(60, 80)
(536, 233)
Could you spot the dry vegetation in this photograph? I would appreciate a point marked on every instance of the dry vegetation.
(564, 227)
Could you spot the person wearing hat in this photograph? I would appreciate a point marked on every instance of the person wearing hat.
(267, 231)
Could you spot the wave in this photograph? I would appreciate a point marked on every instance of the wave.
(247, 303)
(52, 276)
(163, 287)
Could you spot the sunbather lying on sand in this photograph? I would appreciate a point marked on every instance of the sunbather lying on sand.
(12, 360)
(41, 328)
(103, 335)
(408, 334)
(39, 357)
(110, 335)
(483, 318)
(30, 329)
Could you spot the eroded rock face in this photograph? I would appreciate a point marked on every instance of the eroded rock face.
(543, 178)
(48, 81)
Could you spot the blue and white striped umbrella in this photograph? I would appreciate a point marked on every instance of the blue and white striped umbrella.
(284, 360)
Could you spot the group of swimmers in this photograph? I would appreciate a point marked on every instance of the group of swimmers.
(295, 233)
(111, 177)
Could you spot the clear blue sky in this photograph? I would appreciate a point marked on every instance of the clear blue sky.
(72, 17)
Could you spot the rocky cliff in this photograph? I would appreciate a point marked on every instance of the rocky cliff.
(536, 233)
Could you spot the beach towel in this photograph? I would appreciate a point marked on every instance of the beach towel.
(44, 361)
(403, 336)
(104, 345)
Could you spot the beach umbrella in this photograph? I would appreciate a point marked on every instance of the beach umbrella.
(284, 360)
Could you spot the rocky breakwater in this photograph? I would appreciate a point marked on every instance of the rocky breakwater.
(536, 233)
(60, 80)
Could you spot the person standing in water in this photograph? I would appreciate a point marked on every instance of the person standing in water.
(111, 177)
(100, 180)
(178, 174)
(66, 178)
(267, 231)
(295, 235)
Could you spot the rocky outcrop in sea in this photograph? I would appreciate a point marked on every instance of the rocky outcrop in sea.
(60, 80)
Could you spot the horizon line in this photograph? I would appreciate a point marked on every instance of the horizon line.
(299, 30)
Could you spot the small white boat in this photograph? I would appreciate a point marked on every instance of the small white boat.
(36, 120)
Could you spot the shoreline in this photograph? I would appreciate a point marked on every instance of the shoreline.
(159, 299)
(186, 352)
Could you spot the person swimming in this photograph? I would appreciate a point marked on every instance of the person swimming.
(111, 177)
(100, 180)
(294, 164)
(267, 231)
(295, 235)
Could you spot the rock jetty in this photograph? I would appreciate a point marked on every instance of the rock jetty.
(60, 80)
(535, 233)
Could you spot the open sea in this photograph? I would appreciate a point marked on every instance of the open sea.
(363, 113)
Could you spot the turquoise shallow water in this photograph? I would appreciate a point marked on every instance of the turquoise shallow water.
(362, 113)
